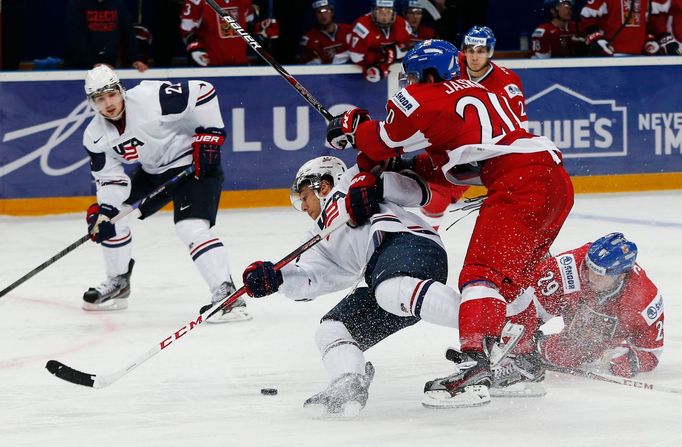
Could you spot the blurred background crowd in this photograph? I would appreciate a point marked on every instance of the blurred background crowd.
(77, 34)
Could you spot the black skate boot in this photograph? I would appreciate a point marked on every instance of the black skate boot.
(112, 294)
(230, 314)
(519, 375)
(345, 397)
(467, 387)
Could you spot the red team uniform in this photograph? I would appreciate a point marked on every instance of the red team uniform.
(320, 47)
(665, 21)
(223, 45)
(370, 46)
(422, 33)
(632, 320)
(529, 192)
(549, 40)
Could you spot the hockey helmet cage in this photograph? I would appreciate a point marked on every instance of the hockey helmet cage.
(383, 4)
(312, 173)
(433, 55)
(612, 254)
(480, 36)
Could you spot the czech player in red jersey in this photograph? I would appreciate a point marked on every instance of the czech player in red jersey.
(459, 122)
(327, 42)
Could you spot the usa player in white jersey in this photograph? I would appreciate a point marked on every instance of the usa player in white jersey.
(164, 128)
(398, 255)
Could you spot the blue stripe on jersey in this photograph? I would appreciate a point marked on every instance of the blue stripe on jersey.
(205, 249)
(207, 99)
(184, 154)
(426, 192)
(173, 98)
(97, 160)
(119, 244)
(420, 298)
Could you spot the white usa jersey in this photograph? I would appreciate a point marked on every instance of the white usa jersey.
(155, 131)
(339, 261)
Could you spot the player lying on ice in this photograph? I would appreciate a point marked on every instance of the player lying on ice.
(398, 255)
(459, 122)
(612, 314)
(164, 128)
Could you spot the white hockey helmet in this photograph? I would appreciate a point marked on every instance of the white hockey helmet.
(101, 79)
(312, 173)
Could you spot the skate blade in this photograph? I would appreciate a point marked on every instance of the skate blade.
(112, 304)
(236, 315)
(472, 396)
(521, 389)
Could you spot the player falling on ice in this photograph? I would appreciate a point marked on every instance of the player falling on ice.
(457, 122)
(164, 128)
(398, 255)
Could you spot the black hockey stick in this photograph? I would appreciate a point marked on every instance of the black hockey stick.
(124, 212)
(69, 374)
(615, 379)
(255, 46)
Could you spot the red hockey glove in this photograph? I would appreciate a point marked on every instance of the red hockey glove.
(99, 218)
(388, 54)
(261, 279)
(668, 44)
(651, 46)
(597, 44)
(374, 73)
(267, 29)
(198, 53)
(364, 194)
(206, 150)
(341, 129)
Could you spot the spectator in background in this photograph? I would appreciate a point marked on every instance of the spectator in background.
(379, 38)
(556, 38)
(101, 32)
(412, 11)
(665, 23)
(211, 41)
(618, 27)
(327, 43)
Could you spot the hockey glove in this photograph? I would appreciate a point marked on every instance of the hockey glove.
(668, 44)
(651, 46)
(206, 150)
(364, 194)
(341, 129)
(597, 45)
(99, 218)
(198, 53)
(267, 29)
(374, 73)
(261, 279)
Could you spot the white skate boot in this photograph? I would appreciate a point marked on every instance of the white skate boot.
(232, 314)
(519, 375)
(345, 397)
(112, 294)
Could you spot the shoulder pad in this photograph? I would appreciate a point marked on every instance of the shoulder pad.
(405, 102)
(173, 98)
(361, 30)
(539, 32)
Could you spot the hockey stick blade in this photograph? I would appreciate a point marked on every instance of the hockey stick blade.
(69, 374)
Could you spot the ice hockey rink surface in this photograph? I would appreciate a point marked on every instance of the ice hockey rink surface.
(205, 390)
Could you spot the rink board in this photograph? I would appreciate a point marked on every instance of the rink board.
(617, 121)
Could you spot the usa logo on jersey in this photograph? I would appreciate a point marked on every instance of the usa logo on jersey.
(128, 149)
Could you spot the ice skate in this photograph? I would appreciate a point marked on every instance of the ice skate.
(518, 376)
(468, 386)
(229, 314)
(345, 397)
(112, 294)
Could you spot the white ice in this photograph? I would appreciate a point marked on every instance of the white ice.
(205, 389)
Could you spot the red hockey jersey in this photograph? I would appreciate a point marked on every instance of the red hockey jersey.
(549, 40)
(666, 17)
(223, 45)
(320, 47)
(367, 41)
(622, 21)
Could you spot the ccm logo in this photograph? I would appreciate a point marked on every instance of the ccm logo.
(182, 331)
(207, 139)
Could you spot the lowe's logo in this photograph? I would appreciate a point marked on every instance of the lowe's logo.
(578, 125)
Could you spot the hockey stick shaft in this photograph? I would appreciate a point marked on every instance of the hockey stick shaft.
(616, 380)
(124, 212)
(255, 46)
(69, 374)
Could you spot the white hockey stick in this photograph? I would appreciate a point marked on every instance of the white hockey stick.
(72, 375)
(616, 379)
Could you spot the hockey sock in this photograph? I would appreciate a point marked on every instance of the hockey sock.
(118, 251)
(340, 352)
(207, 251)
(429, 300)
(481, 314)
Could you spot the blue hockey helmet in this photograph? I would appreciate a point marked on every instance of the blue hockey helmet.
(322, 4)
(480, 36)
(611, 255)
(434, 56)
(380, 20)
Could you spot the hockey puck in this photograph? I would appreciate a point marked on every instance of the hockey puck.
(268, 391)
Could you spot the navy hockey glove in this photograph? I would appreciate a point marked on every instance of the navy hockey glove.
(206, 150)
(668, 44)
(341, 129)
(99, 218)
(364, 194)
(261, 279)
